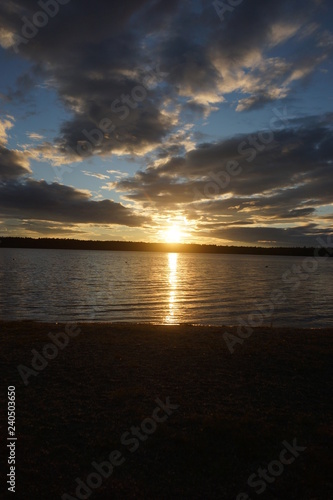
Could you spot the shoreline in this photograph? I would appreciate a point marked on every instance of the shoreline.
(166, 325)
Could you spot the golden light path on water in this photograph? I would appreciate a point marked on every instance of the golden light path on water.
(173, 279)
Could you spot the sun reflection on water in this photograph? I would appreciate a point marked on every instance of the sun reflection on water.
(173, 278)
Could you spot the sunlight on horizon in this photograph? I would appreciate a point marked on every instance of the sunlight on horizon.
(175, 230)
(173, 234)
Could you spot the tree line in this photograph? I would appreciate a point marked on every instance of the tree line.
(133, 246)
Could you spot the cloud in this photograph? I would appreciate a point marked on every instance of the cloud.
(117, 172)
(97, 176)
(54, 202)
(242, 50)
(13, 164)
(307, 235)
(34, 136)
(95, 56)
(35, 228)
(7, 38)
(52, 153)
(5, 124)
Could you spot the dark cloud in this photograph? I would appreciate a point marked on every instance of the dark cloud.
(41, 228)
(13, 164)
(58, 203)
(299, 212)
(188, 66)
(292, 165)
(296, 236)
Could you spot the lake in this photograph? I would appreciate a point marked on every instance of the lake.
(75, 285)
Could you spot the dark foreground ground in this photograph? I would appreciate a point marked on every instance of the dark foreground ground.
(234, 412)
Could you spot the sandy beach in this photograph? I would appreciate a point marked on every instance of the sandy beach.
(208, 419)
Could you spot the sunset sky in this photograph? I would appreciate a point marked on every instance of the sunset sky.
(150, 120)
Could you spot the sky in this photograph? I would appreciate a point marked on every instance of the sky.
(154, 120)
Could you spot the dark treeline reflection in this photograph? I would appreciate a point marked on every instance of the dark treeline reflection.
(72, 244)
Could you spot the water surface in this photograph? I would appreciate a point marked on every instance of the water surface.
(78, 285)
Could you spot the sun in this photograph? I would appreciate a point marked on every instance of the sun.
(175, 230)
(173, 234)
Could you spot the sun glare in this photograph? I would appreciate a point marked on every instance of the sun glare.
(173, 234)
(175, 230)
